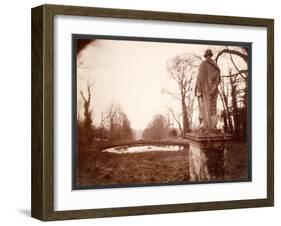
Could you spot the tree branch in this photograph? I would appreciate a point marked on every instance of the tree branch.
(174, 95)
(175, 118)
(234, 64)
(235, 74)
(234, 52)
(198, 57)
(83, 97)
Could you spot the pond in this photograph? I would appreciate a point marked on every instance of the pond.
(143, 148)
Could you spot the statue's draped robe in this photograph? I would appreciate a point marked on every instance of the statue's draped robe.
(206, 90)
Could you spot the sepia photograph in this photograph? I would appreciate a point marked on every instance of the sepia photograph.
(150, 111)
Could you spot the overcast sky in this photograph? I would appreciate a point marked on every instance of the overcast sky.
(131, 73)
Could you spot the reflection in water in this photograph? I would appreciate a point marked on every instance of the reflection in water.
(206, 163)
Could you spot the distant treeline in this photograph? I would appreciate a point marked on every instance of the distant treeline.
(158, 129)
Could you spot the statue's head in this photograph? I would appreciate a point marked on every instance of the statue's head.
(208, 52)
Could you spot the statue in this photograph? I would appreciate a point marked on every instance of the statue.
(206, 91)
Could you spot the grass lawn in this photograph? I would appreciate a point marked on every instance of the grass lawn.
(104, 168)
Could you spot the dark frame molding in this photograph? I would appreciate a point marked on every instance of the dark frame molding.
(42, 182)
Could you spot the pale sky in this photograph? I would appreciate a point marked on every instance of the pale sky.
(131, 73)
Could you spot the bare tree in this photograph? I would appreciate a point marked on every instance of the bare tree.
(182, 69)
(118, 123)
(88, 121)
(224, 95)
(111, 115)
(102, 121)
(176, 118)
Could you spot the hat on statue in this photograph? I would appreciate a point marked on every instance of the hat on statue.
(208, 52)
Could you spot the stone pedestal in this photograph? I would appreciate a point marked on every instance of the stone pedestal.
(207, 152)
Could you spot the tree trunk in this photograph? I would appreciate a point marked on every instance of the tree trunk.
(226, 117)
(185, 117)
(235, 108)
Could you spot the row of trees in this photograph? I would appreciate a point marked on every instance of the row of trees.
(114, 123)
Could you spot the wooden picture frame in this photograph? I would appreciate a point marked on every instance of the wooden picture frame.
(42, 203)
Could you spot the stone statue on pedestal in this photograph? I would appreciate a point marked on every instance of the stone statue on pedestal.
(206, 91)
(208, 144)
